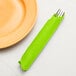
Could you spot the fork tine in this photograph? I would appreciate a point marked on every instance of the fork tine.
(63, 14)
(57, 13)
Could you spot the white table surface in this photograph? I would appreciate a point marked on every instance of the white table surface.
(59, 56)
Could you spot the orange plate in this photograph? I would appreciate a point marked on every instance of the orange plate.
(17, 18)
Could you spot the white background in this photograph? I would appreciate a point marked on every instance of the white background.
(59, 56)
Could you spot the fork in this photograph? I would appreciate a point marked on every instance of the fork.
(37, 45)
